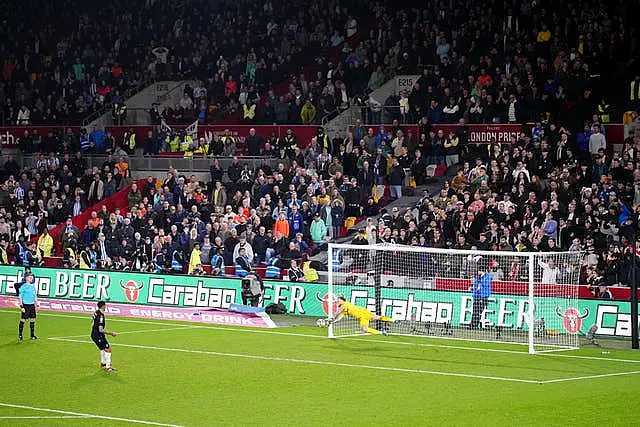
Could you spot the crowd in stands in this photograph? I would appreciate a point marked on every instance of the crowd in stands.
(478, 66)
(66, 62)
(33, 200)
(515, 64)
(69, 60)
(557, 186)
(547, 190)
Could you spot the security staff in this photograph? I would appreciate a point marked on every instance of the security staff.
(634, 91)
(289, 143)
(604, 110)
(249, 111)
(85, 259)
(129, 141)
(4, 259)
(119, 113)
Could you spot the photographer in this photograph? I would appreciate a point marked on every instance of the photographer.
(252, 289)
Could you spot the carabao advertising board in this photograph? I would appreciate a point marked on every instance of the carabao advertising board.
(509, 312)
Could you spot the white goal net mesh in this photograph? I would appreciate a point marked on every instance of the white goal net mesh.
(509, 297)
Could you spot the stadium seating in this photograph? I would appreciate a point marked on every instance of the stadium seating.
(539, 77)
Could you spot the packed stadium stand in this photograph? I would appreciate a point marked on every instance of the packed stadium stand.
(70, 60)
(548, 55)
(565, 176)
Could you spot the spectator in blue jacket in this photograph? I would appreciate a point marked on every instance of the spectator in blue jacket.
(296, 222)
(583, 142)
(97, 136)
(434, 114)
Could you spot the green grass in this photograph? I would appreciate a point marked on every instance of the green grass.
(204, 376)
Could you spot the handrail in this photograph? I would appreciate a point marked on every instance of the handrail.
(107, 107)
(331, 114)
(169, 93)
(95, 115)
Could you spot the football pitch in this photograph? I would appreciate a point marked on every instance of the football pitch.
(178, 374)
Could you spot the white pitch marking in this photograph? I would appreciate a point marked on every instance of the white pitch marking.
(80, 414)
(45, 417)
(136, 332)
(382, 341)
(588, 377)
(575, 356)
(495, 350)
(311, 362)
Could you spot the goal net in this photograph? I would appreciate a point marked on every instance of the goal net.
(507, 297)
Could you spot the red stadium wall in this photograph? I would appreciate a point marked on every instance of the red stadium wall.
(9, 135)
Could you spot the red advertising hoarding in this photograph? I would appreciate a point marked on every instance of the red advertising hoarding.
(9, 135)
(482, 134)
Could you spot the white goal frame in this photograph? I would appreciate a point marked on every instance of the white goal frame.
(529, 257)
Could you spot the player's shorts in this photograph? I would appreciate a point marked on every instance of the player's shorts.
(101, 341)
(364, 317)
(29, 311)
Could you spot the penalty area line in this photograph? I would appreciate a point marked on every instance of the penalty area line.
(588, 377)
(178, 328)
(83, 415)
(47, 417)
(312, 362)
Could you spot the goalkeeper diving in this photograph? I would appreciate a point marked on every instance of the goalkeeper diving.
(361, 314)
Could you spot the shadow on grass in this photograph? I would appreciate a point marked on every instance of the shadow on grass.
(431, 355)
(16, 344)
(99, 376)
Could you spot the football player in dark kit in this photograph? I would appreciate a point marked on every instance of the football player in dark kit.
(98, 335)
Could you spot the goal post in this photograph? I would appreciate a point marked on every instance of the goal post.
(484, 296)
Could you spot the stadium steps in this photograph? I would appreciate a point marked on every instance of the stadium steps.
(118, 200)
(407, 201)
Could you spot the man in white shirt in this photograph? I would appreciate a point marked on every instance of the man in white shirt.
(550, 273)
(597, 141)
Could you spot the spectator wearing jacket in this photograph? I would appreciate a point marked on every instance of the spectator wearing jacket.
(318, 230)
(296, 221)
(396, 179)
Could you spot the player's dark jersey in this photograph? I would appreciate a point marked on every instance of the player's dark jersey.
(98, 321)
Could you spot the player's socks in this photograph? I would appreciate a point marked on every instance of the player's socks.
(373, 331)
(107, 359)
(32, 326)
(102, 359)
(20, 328)
(386, 319)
